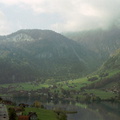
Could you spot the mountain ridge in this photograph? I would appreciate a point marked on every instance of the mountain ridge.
(49, 56)
(103, 42)
(52, 57)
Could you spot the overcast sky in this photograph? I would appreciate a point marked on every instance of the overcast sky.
(58, 15)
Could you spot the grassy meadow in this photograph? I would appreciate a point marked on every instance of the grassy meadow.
(42, 114)
(75, 84)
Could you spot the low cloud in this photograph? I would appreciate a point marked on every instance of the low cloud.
(76, 15)
(4, 25)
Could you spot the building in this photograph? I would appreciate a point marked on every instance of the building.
(30, 116)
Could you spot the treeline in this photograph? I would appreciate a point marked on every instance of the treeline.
(14, 69)
(103, 82)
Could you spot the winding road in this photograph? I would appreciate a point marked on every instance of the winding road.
(3, 112)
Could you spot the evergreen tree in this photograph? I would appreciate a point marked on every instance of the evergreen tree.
(12, 114)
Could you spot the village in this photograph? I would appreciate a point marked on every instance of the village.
(10, 111)
(55, 93)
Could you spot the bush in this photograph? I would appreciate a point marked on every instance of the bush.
(62, 116)
(12, 114)
(103, 75)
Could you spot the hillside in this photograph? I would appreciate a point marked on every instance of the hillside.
(113, 63)
(103, 42)
(108, 76)
(106, 43)
(40, 55)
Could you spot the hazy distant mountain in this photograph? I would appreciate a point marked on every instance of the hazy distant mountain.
(103, 42)
(106, 44)
(29, 55)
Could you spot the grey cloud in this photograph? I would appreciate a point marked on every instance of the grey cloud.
(75, 15)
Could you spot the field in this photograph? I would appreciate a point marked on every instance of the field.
(101, 94)
(81, 82)
(42, 114)
(75, 84)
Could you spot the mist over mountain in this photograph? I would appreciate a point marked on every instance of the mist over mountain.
(102, 42)
(106, 44)
(29, 55)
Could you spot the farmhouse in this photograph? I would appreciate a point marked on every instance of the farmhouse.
(30, 116)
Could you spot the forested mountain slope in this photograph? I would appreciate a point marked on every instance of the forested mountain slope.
(40, 55)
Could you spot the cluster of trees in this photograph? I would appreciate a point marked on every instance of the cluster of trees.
(119, 90)
(15, 69)
(38, 104)
(103, 82)
(102, 75)
(88, 98)
(92, 78)
(12, 114)
(61, 115)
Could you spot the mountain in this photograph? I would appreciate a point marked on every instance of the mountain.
(113, 63)
(102, 42)
(105, 43)
(108, 76)
(43, 55)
